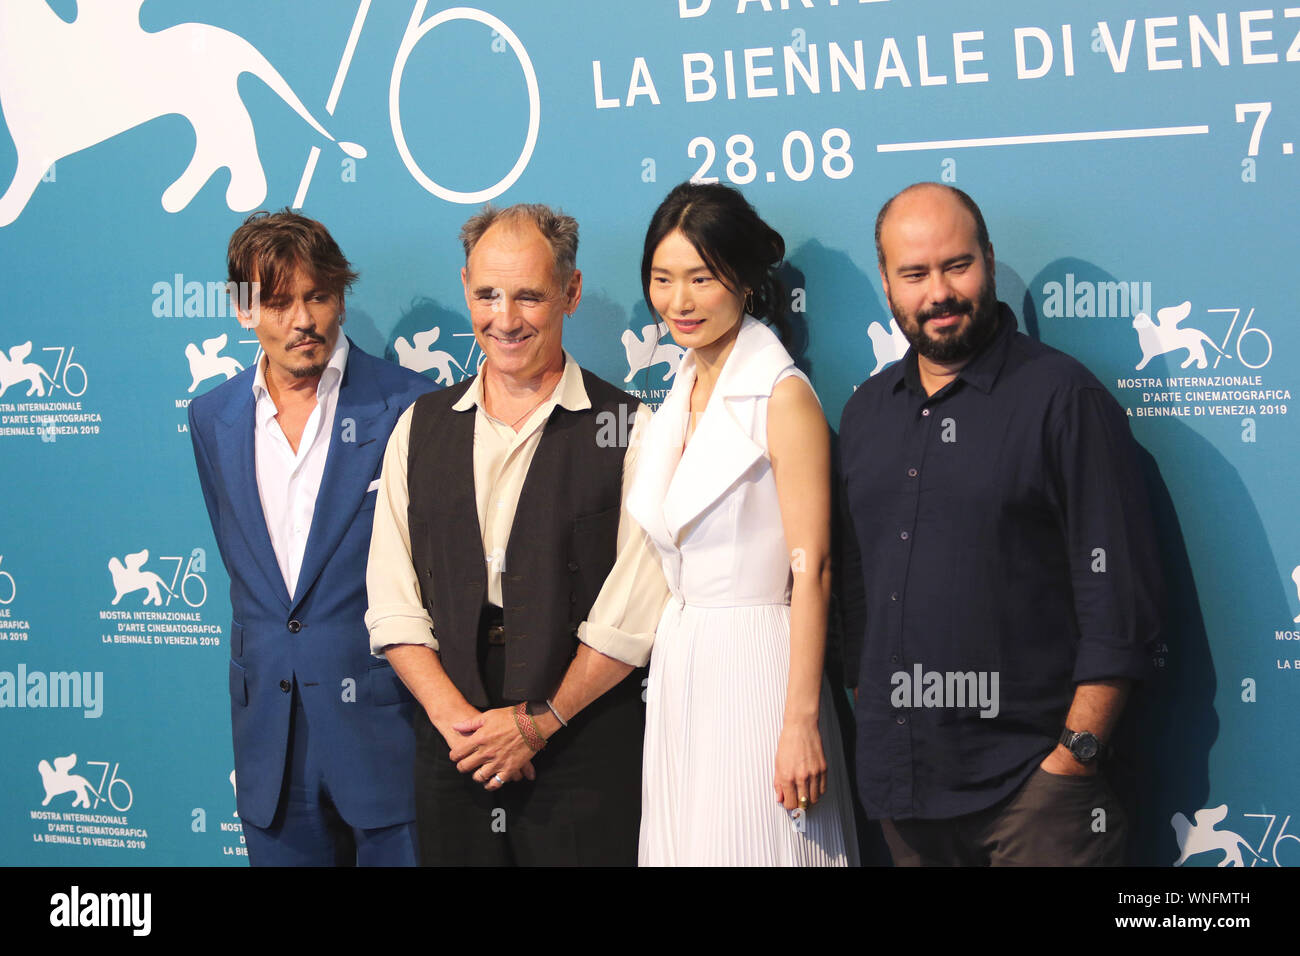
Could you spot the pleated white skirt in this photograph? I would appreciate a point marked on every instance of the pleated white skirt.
(714, 707)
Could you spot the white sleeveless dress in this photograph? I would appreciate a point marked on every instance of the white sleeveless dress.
(718, 673)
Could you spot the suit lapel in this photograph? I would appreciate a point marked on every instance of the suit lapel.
(719, 453)
(721, 450)
(659, 456)
(234, 437)
(354, 456)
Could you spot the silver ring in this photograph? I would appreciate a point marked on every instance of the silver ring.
(497, 778)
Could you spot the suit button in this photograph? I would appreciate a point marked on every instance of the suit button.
(573, 565)
(295, 626)
(285, 686)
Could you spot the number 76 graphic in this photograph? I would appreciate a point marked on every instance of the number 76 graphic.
(123, 76)
(417, 29)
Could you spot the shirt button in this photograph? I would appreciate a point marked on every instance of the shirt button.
(893, 596)
(893, 658)
(295, 626)
(925, 413)
(900, 720)
(904, 535)
(911, 472)
(285, 686)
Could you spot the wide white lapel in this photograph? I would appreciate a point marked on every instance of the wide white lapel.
(660, 452)
(721, 449)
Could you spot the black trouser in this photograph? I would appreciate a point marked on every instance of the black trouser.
(1052, 820)
(584, 808)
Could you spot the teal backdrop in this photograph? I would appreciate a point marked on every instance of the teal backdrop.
(1135, 161)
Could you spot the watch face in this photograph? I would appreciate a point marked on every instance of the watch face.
(1085, 747)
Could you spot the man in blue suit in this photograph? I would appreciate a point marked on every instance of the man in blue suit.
(289, 455)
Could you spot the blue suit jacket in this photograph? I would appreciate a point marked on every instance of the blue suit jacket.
(356, 706)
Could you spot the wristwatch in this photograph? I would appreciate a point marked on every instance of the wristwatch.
(1083, 745)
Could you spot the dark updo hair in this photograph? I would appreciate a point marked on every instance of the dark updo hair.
(741, 250)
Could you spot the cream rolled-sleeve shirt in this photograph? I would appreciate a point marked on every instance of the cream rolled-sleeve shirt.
(623, 619)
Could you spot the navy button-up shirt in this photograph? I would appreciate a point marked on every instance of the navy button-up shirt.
(1006, 553)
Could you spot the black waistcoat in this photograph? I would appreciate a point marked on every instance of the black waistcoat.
(562, 543)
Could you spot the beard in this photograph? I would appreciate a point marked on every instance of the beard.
(310, 371)
(959, 343)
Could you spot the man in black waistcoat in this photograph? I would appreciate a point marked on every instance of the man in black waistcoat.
(507, 587)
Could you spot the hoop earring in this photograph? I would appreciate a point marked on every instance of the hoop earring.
(749, 302)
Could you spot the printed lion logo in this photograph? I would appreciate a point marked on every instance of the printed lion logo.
(129, 77)
(888, 345)
(57, 780)
(1202, 837)
(419, 356)
(208, 363)
(128, 577)
(15, 368)
(648, 351)
(1295, 577)
(1164, 336)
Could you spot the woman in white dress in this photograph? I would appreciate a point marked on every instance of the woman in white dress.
(743, 763)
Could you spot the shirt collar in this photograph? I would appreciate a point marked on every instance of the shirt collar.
(981, 372)
(329, 379)
(570, 393)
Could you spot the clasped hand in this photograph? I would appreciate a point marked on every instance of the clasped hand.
(490, 746)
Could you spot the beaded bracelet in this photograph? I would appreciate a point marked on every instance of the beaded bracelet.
(528, 727)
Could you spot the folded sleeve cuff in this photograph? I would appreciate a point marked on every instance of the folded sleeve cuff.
(398, 625)
(633, 649)
(1111, 663)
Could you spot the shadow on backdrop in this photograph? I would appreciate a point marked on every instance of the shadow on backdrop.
(841, 304)
(1171, 724)
(359, 326)
(434, 341)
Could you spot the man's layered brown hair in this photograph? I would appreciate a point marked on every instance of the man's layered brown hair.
(268, 247)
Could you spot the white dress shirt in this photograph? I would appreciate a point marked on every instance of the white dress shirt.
(288, 481)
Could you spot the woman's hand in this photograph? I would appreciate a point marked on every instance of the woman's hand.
(800, 764)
